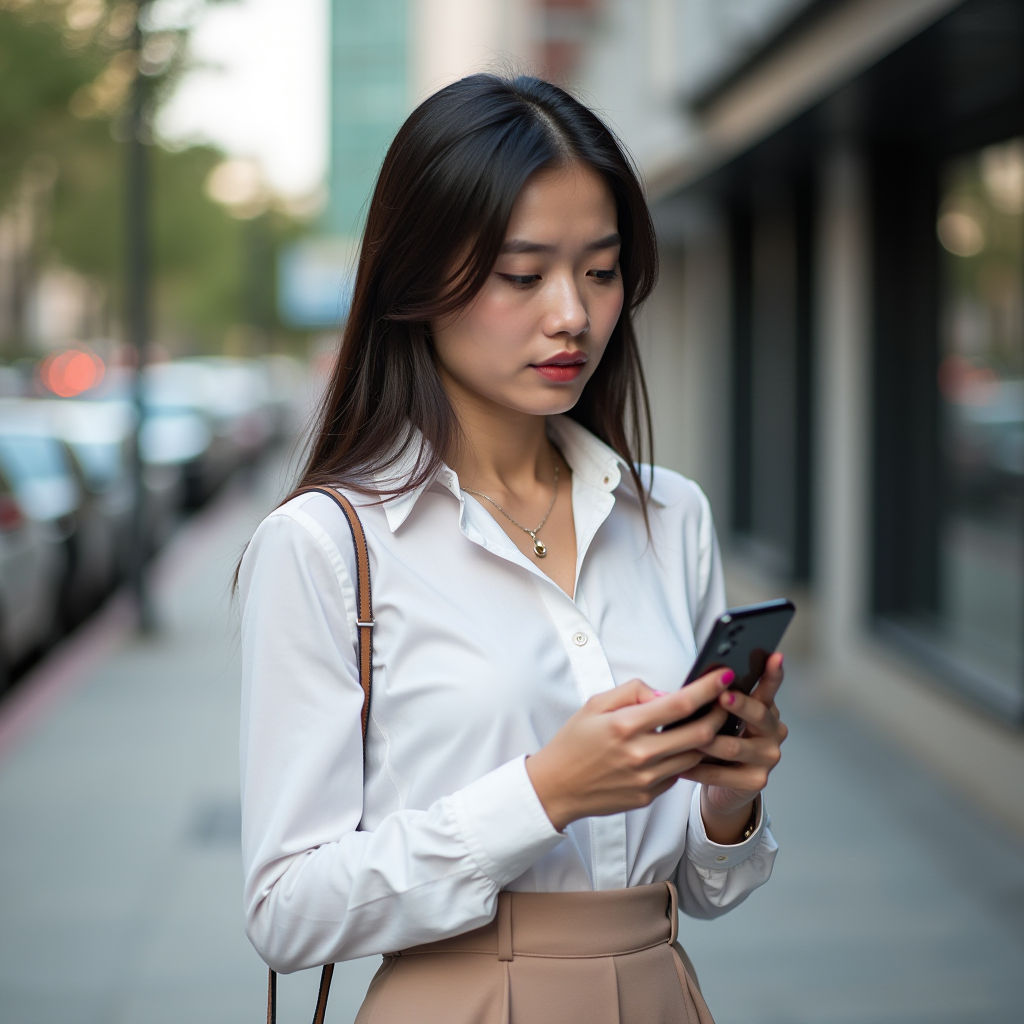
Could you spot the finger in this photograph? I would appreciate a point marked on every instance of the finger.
(672, 707)
(758, 718)
(672, 768)
(664, 786)
(757, 750)
(745, 780)
(770, 681)
(659, 746)
(636, 691)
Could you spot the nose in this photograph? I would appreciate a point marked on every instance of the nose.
(566, 314)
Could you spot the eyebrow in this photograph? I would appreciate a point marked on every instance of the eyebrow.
(518, 245)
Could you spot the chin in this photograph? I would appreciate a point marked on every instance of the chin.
(550, 402)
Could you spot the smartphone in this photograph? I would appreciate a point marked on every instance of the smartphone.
(742, 639)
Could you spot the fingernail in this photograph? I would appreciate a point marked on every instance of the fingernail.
(727, 677)
(730, 698)
(660, 693)
(782, 658)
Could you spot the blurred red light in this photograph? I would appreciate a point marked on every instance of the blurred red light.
(71, 372)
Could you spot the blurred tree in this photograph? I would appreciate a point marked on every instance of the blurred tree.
(64, 77)
(39, 73)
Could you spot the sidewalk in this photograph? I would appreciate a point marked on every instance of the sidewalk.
(120, 876)
(890, 902)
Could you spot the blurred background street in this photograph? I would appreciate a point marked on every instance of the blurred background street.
(835, 352)
(120, 860)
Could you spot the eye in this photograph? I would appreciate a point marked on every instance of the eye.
(605, 275)
(520, 280)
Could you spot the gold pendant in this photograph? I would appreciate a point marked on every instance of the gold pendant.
(540, 549)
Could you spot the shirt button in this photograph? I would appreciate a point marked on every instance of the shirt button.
(579, 639)
(607, 479)
(721, 857)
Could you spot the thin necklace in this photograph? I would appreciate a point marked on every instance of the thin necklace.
(540, 549)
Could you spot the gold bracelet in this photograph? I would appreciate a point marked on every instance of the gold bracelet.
(752, 824)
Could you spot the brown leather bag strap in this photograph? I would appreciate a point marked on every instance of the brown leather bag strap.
(364, 629)
(364, 602)
(321, 997)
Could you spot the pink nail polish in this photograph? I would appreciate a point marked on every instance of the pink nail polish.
(727, 677)
(660, 693)
(730, 698)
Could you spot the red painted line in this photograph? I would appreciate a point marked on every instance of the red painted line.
(76, 656)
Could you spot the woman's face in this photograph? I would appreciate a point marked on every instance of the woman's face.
(533, 336)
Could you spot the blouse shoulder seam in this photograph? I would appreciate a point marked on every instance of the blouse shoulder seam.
(334, 556)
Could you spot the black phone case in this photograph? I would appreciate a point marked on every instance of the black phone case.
(742, 639)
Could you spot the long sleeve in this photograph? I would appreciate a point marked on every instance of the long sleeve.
(318, 889)
(706, 585)
(712, 878)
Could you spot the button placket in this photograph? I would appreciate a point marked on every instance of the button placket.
(593, 675)
(591, 507)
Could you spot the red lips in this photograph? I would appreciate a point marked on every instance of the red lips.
(563, 367)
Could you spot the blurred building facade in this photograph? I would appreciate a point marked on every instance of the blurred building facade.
(836, 346)
(386, 57)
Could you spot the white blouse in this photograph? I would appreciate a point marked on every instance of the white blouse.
(478, 659)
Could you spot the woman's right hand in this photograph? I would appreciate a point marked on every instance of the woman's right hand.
(609, 757)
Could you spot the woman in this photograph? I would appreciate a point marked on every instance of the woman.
(538, 598)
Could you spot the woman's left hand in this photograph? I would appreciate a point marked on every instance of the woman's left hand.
(729, 790)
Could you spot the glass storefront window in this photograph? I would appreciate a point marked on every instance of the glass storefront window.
(980, 225)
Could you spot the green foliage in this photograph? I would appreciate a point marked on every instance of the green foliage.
(198, 249)
(39, 74)
(62, 88)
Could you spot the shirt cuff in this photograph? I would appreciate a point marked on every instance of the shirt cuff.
(503, 822)
(703, 853)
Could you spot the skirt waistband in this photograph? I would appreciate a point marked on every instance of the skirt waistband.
(570, 924)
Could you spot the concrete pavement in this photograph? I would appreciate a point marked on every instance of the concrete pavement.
(120, 879)
(892, 903)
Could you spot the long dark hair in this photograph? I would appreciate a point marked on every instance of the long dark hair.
(434, 229)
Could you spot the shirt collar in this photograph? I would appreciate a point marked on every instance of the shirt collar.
(589, 458)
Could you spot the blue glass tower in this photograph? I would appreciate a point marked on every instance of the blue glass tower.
(369, 101)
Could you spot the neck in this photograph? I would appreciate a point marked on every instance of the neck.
(503, 448)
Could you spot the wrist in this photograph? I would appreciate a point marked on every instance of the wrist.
(547, 790)
(731, 825)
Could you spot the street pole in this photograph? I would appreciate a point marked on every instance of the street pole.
(137, 274)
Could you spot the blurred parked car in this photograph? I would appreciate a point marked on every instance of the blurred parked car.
(290, 394)
(100, 435)
(240, 402)
(50, 485)
(32, 570)
(228, 396)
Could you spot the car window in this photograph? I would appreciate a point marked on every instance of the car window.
(26, 458)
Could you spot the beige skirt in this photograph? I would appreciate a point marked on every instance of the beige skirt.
(586, 957)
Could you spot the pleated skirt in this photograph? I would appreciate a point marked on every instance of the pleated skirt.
(570, 958)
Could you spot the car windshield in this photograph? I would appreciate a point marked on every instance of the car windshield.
(26, 458)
